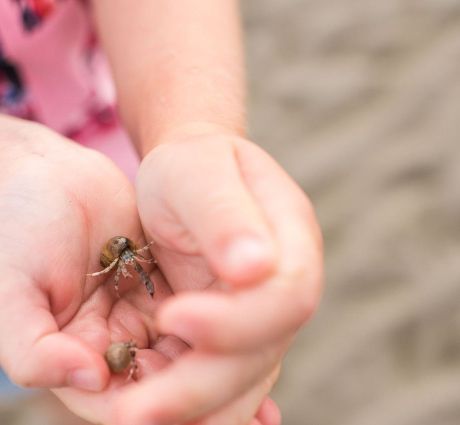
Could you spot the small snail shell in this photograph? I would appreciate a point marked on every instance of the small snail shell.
(114, 248)
(119, 356)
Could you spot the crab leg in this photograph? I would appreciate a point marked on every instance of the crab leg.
(145, 260)
(145, 248)
(134, 366)
(124, 269)
(144, 277)
(106, 270)
(117, 278)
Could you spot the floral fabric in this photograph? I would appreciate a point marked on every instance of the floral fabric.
(51, 69)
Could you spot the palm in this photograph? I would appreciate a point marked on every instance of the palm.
(102, 318)
(71, 208)
(222, 217)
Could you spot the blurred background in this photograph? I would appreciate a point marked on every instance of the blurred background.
(360, 101)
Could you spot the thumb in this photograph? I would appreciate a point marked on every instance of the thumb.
(212, 203)
(33, 352)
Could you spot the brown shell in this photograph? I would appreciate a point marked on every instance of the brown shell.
(113, 249)
(118, 357)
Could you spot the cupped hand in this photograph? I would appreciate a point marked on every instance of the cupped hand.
(59, 204)
(228, 220)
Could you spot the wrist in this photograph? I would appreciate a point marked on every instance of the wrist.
(189, 130)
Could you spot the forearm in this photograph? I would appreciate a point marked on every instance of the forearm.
(176, 65)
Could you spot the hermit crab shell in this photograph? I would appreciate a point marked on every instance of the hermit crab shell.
(118, 357)
(113, 249)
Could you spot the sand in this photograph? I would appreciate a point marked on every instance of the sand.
(360, 101)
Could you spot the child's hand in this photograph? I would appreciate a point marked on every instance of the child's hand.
(59, 203)
(228, 219)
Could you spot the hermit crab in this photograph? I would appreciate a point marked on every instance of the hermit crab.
(121, 252)
(120, 355)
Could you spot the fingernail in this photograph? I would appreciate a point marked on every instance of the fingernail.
(85, 379)
(248, 250)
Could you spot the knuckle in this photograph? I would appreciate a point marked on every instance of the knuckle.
(272, 377)
(305, 204)
(304, 294)
(308, 211)
(306, 308)
(296, 273)
(19, 376)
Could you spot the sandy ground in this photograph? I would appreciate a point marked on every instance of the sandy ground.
(360, 101)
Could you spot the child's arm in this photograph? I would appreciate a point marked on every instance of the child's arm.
(177, 64)
(207, 192)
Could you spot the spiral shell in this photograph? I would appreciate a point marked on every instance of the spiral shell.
(119, 356)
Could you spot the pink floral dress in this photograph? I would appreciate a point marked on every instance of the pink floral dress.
(52, 71)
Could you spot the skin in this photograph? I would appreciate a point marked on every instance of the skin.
(55, 321)
(44, 193)
(236, 239)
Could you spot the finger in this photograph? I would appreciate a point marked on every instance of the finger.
(194, 386)
(269, 413)
(256, 316)
(286, 208)
(240, 412)
(33, 352)
(94, 407)
(284, 302)
(252, 407)
(213, 204)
